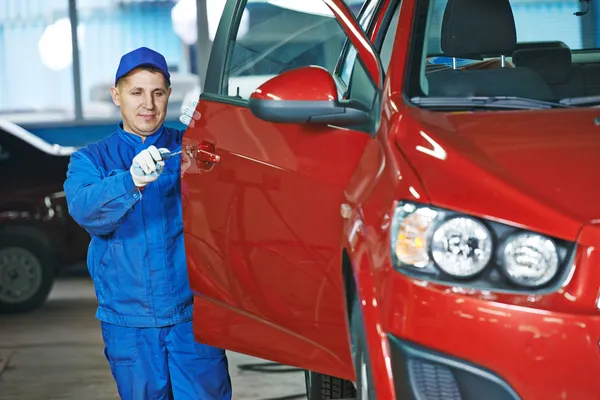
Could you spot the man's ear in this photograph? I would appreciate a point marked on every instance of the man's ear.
(114, 93)
(169, 92)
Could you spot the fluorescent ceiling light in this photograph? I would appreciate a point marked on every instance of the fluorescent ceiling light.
(183, 17)
(55, 45)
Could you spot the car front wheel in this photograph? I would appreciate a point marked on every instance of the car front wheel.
(364, 377)
(26, 274)
(319, 386)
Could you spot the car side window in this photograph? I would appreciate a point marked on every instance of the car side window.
(274, 37)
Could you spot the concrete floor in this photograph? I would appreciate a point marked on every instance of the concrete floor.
(56, 353)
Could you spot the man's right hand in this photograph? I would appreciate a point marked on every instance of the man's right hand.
(147, 166)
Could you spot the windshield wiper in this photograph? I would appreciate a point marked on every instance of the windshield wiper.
(581, 101)
(512, 102)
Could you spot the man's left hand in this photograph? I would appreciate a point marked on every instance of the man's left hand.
(190, 115)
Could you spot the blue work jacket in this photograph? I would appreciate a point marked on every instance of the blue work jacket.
(136, 256)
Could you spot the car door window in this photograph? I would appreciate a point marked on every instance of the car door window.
(274, 37)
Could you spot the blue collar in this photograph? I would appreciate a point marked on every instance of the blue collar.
(136, 140)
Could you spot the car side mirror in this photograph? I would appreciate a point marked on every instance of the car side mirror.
(305, 95)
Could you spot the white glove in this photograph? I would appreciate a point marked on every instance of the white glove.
(147, 166)
(190, 115)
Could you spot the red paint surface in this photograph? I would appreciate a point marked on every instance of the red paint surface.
(311, 83)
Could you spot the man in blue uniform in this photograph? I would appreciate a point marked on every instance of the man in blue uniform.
(128, 198)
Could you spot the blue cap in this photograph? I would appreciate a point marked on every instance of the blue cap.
(140, 57)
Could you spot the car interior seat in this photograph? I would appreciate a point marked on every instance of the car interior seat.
(591, 73)
(475, 29)
(553, 62)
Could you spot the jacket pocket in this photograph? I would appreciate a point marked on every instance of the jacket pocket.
(123, 280)
(98, 271)
(122, 343)
(96, 255)
(104, 257)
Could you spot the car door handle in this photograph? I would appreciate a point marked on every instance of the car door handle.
(206, 156)
(204, 152)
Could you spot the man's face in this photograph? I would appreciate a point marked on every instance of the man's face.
(143, 98)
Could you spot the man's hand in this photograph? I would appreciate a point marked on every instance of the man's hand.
(190, 115)
(147, 166)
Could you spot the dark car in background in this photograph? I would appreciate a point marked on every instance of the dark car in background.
(38, 238)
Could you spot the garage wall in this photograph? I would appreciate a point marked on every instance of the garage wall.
(109, 28)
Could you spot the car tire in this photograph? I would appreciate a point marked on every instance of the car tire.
(26, 274)
(365, 389)
(319, 386)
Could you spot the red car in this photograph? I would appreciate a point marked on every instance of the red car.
(407, 204)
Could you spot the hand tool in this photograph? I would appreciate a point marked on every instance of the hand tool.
(169, 155)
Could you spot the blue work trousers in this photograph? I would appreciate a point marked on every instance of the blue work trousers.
(165, 363)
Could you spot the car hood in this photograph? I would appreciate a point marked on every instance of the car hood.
(35, 141)
(533, 167)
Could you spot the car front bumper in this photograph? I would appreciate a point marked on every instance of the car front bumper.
(422, 373)
(451, 343)
(529, 363)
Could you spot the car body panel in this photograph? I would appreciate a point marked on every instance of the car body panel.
(512, 155)
(268, 177)
(366, 238)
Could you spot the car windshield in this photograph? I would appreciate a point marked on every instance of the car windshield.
(497, 52)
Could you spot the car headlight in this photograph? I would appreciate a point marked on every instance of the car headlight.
(443, 245)
(530, 259)
(461, 246)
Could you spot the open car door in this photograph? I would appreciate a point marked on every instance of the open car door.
(263, 197)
